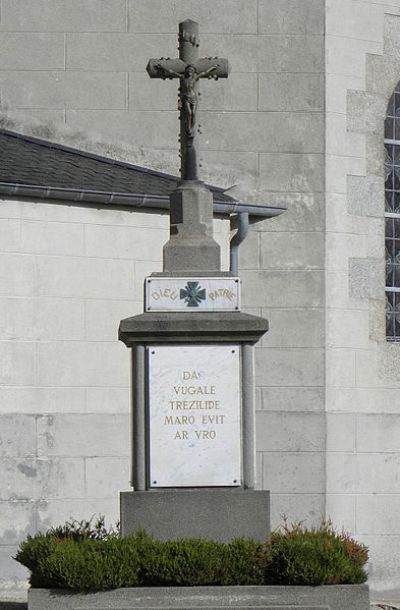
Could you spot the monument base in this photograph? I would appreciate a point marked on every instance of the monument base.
(332, 597)
(215, 514)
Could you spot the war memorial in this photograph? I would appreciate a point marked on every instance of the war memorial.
(194, 424)
(301, 419)
(193, 412)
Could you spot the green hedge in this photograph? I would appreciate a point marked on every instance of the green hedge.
(80, 560)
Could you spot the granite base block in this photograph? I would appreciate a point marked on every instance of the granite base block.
(215, 514)
(335, 597)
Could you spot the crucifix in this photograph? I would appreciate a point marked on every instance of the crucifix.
(189, 68)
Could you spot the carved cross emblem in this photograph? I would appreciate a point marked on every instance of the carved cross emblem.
(192, 294)
(189, 69)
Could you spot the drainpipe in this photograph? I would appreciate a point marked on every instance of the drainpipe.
(240, 235)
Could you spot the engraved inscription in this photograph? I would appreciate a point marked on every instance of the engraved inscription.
(194, 415)
(195, 294)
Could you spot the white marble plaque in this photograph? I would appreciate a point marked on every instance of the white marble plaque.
(192, 294)
(194, 415)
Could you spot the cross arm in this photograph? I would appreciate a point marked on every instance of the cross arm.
(222, 67)
(165, 68)
(174, 68)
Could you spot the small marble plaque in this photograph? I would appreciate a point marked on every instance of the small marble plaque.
(192, 294)
(194, 415)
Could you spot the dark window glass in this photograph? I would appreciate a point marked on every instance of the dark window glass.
(392, 212)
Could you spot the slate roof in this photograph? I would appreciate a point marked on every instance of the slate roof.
(25, 160)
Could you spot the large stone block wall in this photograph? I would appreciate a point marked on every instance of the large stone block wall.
(362, 378)
(68, 275)
(282, 263)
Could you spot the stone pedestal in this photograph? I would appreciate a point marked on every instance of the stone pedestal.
(215, 514)
(332, 597)
(191, 246)
(220, 513)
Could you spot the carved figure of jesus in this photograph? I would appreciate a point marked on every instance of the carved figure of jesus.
(187, 95)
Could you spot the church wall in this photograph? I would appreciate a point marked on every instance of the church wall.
(362, 369)
(286, 282)
(68, 276)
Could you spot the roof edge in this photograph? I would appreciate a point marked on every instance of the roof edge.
(100, 158)
(135, 200)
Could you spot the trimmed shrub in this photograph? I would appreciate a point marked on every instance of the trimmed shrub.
(91, 565)
(32, 552)
(194, 562)
(298, 556)
(80, 559)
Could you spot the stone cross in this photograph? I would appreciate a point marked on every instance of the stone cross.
(189, 69)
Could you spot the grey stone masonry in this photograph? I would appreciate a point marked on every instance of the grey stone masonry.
(216, 514)
(191, 246)
(185, 327)
(335, 597)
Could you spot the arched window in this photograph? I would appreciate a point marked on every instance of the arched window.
(392, 215)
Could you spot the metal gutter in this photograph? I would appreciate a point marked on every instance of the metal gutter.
(135, 200)
(237, 239)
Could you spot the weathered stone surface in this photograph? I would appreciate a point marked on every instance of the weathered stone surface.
(290, 367)
(214, 15)
(226, 327)
(191, 246)
(365, 195)
(67, 434)
(363, 473)
(336, 597)
(268, 132)
(65, 363)
(307, 327)
(291, 399)
(366, 276)
(294, 472)
(310, 510)
(244, 608)
(290, 431)
(216, 514)
(58, 16)
(115, 52)
(291, 16)
(28, 319)
(140, 126)
(74, 276)
(283, 288)
(106, 477)
(32, 51)
(296, 173)
(292, 250)
(17, 521)
(59, 89)
(29, 479)
(289, 91)
(17, 435)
